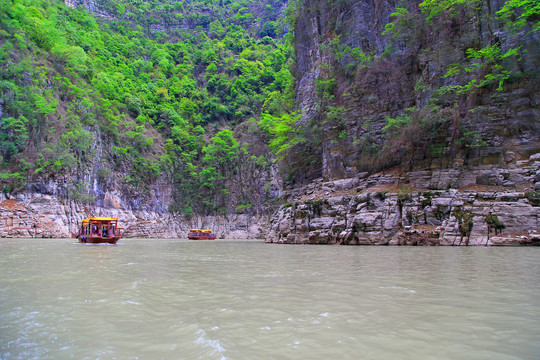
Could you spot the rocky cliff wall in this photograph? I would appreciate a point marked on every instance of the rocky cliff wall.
(405, 72)
(435, 190)
(39, 215)
(454, 195)
(162, 21)
(54, 208)
(398, 208)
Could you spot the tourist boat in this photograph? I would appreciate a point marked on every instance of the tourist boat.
(96, 230)
(201, 234)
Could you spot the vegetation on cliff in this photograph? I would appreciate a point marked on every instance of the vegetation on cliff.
(85, 94)
(417, 83)
(454, 102)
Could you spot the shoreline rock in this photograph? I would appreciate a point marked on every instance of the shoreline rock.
(388, 208)
(396, 208)
(47, 216)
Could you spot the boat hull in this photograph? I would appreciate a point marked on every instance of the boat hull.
(201, 237)
(201, 234)
(99, 240)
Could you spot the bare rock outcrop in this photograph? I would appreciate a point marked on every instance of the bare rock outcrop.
(396, 208)
(35, 215)
(16, 220)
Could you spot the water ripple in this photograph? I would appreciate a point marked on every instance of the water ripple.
(246, 300)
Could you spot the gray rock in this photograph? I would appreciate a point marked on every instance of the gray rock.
(321, 223)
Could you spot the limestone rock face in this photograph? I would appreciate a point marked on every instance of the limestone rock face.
(427, 191)
(400, 209)
(404, 75)
(34, 215)
(16, 220)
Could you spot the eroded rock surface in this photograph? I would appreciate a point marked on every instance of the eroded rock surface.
(396, 208)
(32, 215)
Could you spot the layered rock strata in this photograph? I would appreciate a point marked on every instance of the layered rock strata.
(34, 215)
(405, 74)
(440, 192)
(395, 208)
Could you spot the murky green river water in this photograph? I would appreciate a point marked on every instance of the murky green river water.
(180, 299)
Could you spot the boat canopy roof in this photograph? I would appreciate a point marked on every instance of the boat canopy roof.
(201, 230)
(99, 218)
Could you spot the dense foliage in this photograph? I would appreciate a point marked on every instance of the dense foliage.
(81, 94)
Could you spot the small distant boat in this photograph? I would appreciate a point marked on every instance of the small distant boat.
(201, 234)
(96, 230)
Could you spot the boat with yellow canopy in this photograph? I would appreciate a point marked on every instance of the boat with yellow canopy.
(96, 230)
(201, 234)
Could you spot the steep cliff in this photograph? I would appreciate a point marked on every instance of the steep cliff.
(174, 17)
(142, 109)
(445, 101)
(37, 215)
(417, 122)
(345, 63)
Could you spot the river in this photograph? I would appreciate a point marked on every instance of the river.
(180, 299)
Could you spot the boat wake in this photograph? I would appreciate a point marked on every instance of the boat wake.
(215, 345)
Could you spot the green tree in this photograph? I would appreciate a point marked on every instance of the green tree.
(222, 151)
(13, 135)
